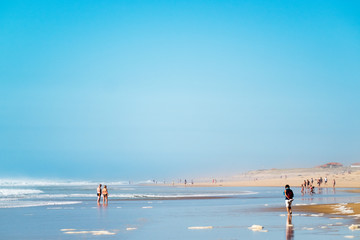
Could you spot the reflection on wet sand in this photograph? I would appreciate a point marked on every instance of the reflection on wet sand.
(289, 228)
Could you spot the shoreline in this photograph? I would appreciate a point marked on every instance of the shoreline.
(345, 177)
(349, 211)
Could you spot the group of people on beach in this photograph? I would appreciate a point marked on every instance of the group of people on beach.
(308, 185)
(103, 192)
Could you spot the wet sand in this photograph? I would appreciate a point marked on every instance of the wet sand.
(341, 210)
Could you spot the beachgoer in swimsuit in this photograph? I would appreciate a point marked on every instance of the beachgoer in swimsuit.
(312, 190)
(105, 194)
(289, 198)
(302, 188)
(99, 193)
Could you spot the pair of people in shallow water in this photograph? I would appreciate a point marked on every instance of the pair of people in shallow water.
(104, 192)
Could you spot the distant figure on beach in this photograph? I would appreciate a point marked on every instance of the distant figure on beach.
(312, 190)
(105, 194)
(334, 183)
(99, 193)
(289, 198)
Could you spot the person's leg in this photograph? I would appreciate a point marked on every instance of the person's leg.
(290, 202)
(287, 206)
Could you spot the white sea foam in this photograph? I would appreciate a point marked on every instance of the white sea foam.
(18, 192)
(166, 196)
(48, 182)
(95, 233)
(52, 196)
(200, 227)
(38, 194)
(131, 228)
(343, 209)
(21, 204)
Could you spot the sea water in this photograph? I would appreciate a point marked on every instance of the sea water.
(68, 210)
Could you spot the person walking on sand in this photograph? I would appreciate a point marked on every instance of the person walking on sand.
(98, 193)
(105, 194)
(289, 198)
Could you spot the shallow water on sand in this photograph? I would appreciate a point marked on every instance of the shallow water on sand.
(150, 212)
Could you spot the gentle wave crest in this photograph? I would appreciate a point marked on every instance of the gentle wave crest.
(49, 183)
(18, 192)
(22, 204)
(38, 194)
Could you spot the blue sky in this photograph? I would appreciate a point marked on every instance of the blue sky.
(150, 89)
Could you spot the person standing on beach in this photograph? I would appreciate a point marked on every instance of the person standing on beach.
(98, 193)
(334, 183)
(302, 189)
(105, 195)
(289, 198)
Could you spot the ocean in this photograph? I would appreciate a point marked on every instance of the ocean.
(68, 210)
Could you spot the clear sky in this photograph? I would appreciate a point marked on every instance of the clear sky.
(148, 89)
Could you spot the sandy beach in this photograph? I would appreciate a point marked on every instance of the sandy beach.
(345, 177)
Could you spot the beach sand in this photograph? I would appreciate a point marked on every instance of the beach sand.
(345, 177)
(336, 210)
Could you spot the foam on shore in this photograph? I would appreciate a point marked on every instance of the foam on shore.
(200, 227)
(94, 233)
